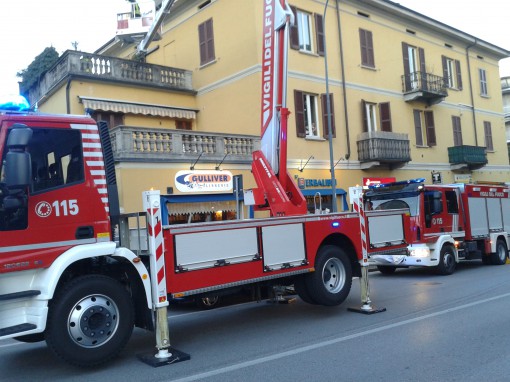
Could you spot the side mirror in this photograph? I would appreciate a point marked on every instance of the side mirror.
(18, 164)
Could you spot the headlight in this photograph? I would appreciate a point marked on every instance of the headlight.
(420, 252)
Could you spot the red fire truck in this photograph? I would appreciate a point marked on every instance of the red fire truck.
(449, 223)
(64, 277)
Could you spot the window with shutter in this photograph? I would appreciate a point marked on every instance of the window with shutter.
(324, 102)
(385, 116)
(487, 128)
(418, 127)
(300, 114)
(451, 73)
(367, 48)
(457, 131)
(483, 82)
(319, 34)
(430, 128)
(206, 42)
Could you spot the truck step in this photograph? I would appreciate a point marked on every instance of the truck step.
(22, 294)
(16, 329)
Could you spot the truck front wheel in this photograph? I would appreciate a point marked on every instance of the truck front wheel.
(90, 320)
(499, 257)
(447, 262)
(331, 282)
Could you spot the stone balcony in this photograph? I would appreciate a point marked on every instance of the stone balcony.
(96, 67)
(139, 144)
(383, 148)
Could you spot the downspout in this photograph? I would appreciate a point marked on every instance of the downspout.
(344, 90)
(68, 103)
(471, 89)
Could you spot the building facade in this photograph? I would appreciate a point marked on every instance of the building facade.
(409, 97)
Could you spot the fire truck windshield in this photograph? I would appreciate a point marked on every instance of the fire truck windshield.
(396, 200)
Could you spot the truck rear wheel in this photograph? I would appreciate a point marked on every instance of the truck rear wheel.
(331, 282)
(447, 262)
(499, 257)
(90, 320)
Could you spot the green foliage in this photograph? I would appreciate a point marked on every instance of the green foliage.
(30, 76)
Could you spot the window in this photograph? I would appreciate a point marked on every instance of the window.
(182, 124)
(414, 66)
(367, 48)
(483, 82)
(307, 115)
(457, 131)
(376, 116)
(451, 73)
(206, 42)
(113, 119)
(451, 202)
(487, 129)
(424, 128)
(301, 33)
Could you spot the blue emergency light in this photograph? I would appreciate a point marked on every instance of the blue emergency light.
(14, 102)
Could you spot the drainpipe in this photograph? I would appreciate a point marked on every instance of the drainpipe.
(68, 103)
(344, 90)
(471, 89)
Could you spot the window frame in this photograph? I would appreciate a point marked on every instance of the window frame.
(366, 48)
(206, 42)
(487, 132)
(457, 131)
(482, 73)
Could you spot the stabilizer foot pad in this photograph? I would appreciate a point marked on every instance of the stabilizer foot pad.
(152, 360)
(363, 310)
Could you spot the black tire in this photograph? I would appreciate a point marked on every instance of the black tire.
(499, 257)
(90, 320)
(331, 282)
(302, 290)
(385, 270)
(209, 302)
(447, 262)
(31, 338)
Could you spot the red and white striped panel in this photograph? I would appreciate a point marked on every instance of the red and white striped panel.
(93, 158)
(358, 207)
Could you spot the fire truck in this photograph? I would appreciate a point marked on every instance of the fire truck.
(449, 223)
(79, 275)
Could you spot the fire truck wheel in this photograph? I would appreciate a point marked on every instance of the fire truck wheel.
(499, 257)
(331, 282)
(90, 320)
(447, 261)
(302, 290)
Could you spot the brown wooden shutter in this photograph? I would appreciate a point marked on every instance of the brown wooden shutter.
(385, 115)
(206, 42)
(364, 115)
(407, 73)
(319, 34)
(459, 74)
(367, 48)
(299, 110)
(293, 31)
(210, 40)
(418, 128)
(457, 131)
(445, 71)
(430, 128)
(423, 70)
(488, 135)
(324, 102)
(202, 43)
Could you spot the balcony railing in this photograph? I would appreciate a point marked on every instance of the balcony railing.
(472, 157)
(163, 145)
(383, 147)
(425, 87)
(104, 68)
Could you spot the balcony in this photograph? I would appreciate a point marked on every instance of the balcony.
(467, 157)
(424, 87)
(382, 148)
(139, 144)
(96, 67)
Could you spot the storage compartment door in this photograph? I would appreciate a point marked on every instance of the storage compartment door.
(478, 217)
(495, 218)
(283, 246)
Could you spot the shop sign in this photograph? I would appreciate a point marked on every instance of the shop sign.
(462, 178)
(374, 181)
(311, 183)
(204, 181)
(436, 177)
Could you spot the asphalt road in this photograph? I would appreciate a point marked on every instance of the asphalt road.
(435, 328)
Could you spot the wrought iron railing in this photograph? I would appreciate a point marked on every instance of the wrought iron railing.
(383, 146)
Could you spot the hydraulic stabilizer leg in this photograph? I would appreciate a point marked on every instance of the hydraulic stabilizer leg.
(366, 305)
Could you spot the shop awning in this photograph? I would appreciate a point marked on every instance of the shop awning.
(118, 106)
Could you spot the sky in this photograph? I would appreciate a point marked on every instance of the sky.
(28, 27)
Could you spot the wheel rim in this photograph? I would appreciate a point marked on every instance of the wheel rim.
(93, 321)
(333, 275)
(502, 253)
(448, 260)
